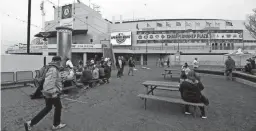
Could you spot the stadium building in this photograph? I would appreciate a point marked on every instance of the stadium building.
(145, 40)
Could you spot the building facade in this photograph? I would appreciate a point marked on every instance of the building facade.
(145, 40)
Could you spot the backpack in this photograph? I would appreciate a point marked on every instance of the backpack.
(39, 81)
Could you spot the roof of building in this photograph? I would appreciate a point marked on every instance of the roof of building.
(150, 20)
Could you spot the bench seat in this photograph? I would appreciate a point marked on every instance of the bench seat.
(167, 88)
(168, 99)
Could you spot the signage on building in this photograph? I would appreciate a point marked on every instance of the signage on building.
(67, 23)
(174, 36)
(40, 48)
(121, 38)
(66, 11)
(227, 36)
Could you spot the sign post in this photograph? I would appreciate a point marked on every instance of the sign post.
(45, 43)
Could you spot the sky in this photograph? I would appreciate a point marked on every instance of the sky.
(14, 31)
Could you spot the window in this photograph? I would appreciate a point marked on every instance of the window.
(220, 46)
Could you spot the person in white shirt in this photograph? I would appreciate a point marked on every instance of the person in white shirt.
(195, 63)
(69, 63)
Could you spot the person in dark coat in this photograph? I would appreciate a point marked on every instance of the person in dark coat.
(168, 62)
(230, 65)
(119, 65)
(123, 64)
(190, 90)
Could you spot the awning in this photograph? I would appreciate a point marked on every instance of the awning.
(54, 33)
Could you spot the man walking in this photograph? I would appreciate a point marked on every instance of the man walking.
(230, 66)
(131, 64)
(195, 63)
(123, 64)
(119, 65)
(52, 88)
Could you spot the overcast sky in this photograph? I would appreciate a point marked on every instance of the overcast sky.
(14, 31)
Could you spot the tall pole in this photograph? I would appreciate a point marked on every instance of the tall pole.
(28, 26)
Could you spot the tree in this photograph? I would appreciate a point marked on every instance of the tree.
(250, 25)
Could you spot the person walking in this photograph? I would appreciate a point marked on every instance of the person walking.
(168, 62)
(195, 63)
(123, 64)
(230, 66)
(131, 64)
(51, 91)
(119, 65)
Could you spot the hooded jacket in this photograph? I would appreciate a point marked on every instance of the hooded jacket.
(52, 85)
(230, 64)
(190, 91)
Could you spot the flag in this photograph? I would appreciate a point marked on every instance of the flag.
(178, 24)
(217, 24)
(137, 26)
(197, 24)
(229, 23)
(208, 24)
(148, 25)
(159, 25)
(187, 24)
(168, 24)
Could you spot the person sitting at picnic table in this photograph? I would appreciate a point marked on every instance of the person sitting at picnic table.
(107, 70)
(101, 71)
(69, 77)
(190, 90)
(184, 72)
(86, 77)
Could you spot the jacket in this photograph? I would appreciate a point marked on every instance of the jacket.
(52, 86)
(190, 92)
(101, 71)
(86, 76)
(230, 64)
(131, 63)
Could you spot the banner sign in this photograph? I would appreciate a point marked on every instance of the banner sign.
(66, 11)
(189, 36)
(67, 23)
(121, 38)
(227, 36)
(173, 36)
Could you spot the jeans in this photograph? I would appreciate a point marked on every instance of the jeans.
(130, 70)
(119, 72)
(201, 108)
(57, 112)
(204, 100)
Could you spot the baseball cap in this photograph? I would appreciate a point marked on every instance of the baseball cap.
(56, 58)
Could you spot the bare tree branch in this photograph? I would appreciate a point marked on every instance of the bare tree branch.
(250, 25)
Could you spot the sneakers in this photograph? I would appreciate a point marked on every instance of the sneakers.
(27, 126)
(204, 117)
(187, 113)
(58, 127)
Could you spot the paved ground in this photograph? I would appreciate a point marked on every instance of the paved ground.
(116, 107)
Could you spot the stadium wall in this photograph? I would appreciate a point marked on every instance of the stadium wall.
(13, 63)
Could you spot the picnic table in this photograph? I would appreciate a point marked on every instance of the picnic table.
(171, 72)
(160, 85)
(170, 86)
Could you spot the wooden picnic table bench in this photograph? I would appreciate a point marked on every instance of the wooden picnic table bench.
(160, 85)
(171, 72)
(169, 86)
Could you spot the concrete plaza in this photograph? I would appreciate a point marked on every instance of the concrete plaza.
(116, 107)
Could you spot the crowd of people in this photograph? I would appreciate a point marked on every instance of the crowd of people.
(100, 69)
(250, 65)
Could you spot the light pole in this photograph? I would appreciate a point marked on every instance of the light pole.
(28, 26)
